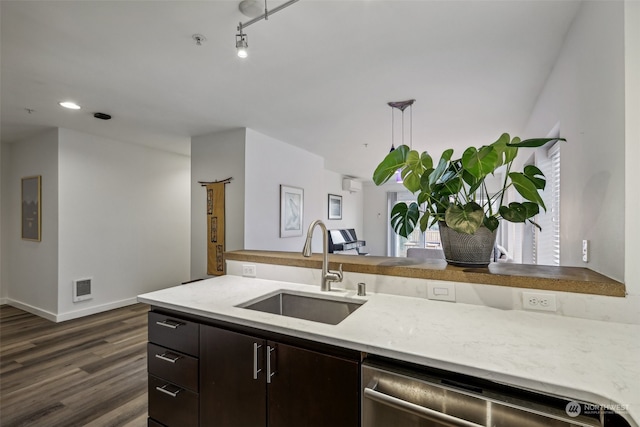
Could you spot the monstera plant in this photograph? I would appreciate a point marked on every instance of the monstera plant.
(453, 191)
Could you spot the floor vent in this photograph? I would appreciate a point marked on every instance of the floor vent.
(82, 290)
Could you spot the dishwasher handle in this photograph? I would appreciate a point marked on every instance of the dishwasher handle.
(418, 410)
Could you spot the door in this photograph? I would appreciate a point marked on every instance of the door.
(232, 379)
(312, 389)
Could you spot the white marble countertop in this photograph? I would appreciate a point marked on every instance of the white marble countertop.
(587, 360)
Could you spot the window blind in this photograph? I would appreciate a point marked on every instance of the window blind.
(546, 243)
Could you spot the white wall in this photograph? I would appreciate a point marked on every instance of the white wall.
(632, 153)
(124, 220)
(4, 165)
(376, 215)
(585, 93)
(352, 205)
(216, 157)
(31, 268)
(270, 163)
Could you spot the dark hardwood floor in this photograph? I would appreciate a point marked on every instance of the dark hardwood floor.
(84, 372)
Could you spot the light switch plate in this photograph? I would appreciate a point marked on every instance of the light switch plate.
(441, 291)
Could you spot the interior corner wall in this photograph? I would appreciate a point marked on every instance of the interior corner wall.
(352, 205)
(585, 94)
(269, 164)
(215, 157)
(31, 268)
(124, 220)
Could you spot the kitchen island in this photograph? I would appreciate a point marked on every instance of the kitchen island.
(585, 360)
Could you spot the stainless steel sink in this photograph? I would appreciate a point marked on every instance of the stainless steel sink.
(305, 306)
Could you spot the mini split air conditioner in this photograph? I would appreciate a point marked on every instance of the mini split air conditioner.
(351, 185)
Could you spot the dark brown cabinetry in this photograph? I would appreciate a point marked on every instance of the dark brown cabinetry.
(173, 365)
(213, 374)
(249, 381)
(312, 389)
(209, 373)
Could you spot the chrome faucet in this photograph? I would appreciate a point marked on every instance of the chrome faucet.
(328, 276)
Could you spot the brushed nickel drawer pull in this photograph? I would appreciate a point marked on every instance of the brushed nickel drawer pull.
(164, 390)
(166, 357)
(170, 324)
(269, 373)
(255, 360)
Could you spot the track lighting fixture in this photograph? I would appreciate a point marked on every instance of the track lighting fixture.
(241, 43)
(241, 38)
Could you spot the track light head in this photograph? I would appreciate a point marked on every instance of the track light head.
(242, 45)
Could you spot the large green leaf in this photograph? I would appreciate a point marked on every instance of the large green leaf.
(424, 222)
(427, 161)
(480, 163)
(464, 219)
(404, 218)
(505, 153)
(519, 212)
(425, 180)
(423, 197)
(534, 142)
(536, 176)
(442, 167)
(468, 178)
(491, 222)
(412, 171)
(392, 162)
(526, 188)
(452, 186)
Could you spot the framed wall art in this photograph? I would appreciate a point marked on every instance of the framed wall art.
(335, 207)
(291, 209)
(31, 208)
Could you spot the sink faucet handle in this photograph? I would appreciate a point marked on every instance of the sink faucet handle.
(335, 276)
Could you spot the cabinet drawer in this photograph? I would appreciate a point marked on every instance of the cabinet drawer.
(174, 333)
(173, 366)
(172, 405)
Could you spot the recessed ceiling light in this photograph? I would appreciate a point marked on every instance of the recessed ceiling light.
(70, 105)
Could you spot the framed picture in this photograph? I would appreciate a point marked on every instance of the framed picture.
(291, 208)
(31, 208)
(335, 207)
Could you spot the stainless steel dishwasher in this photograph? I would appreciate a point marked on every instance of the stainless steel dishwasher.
(400, 396)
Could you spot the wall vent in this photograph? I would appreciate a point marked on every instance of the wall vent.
(82, 290)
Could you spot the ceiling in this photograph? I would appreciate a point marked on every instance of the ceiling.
(318, 76)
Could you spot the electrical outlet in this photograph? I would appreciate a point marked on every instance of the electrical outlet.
(248, 270)
(540, 302)
(585, 251)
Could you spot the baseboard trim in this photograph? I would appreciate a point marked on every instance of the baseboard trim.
(95, 309)
(31, 309)
(4, 301)
(57, 318)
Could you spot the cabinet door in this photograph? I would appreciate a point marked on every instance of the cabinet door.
(312, 389)
(232, 379)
